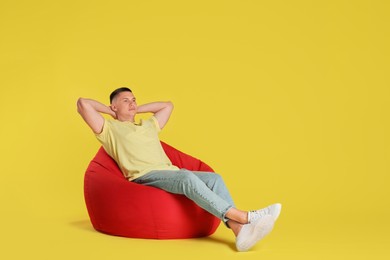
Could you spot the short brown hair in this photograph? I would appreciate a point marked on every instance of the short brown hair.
(117, 91)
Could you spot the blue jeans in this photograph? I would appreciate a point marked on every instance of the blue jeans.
(206, 189)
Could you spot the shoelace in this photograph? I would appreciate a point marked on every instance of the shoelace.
(254, 215)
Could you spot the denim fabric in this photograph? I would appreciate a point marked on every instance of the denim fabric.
(206, 189)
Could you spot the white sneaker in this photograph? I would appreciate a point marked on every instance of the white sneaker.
(273, 210)
(252, 233)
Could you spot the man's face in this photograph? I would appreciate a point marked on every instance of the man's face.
(124, 104)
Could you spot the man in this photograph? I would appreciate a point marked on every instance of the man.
(137, 150)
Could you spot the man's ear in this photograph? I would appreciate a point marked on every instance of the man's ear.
(113, 108)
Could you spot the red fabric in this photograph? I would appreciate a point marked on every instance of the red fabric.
(122, 208)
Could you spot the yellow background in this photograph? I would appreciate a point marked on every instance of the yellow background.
(288, 100)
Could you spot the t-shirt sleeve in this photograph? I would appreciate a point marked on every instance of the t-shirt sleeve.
(154, 122)
(102, 137)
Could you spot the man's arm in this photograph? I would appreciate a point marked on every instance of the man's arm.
(161, 110)
(90, 111)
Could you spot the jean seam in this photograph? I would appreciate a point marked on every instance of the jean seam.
(220, 212)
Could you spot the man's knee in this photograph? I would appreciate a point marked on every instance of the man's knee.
(186, 176)
(216, 178)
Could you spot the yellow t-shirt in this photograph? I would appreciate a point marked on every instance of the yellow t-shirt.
(135, 147)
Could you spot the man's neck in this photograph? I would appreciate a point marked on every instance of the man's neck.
(126, 119)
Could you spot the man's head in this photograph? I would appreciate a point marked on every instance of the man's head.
(124, 104)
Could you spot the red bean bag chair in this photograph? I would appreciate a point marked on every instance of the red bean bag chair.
(119, 207)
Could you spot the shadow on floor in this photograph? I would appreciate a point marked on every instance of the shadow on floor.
(87, 226)
(218, 240)
(83, 225)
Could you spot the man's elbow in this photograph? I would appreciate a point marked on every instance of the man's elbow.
(80, 104)
(169, 104)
